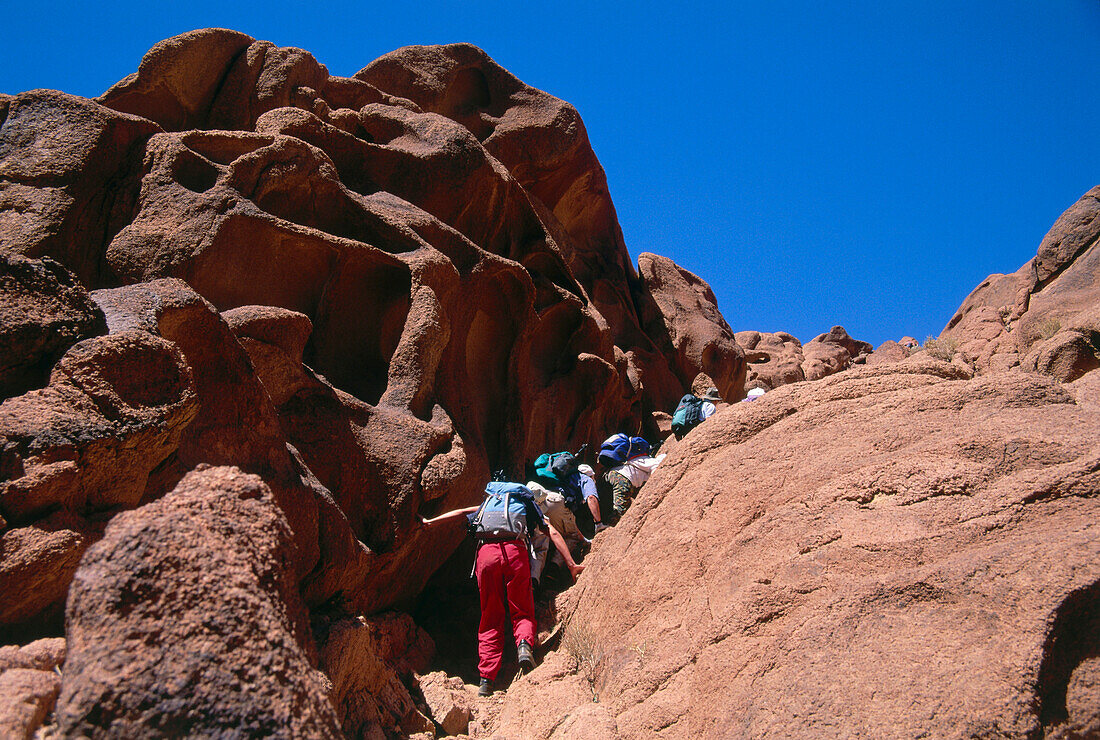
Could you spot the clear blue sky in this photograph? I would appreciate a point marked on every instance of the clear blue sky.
(860, 163)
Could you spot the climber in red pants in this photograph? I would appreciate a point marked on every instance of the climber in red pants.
(503, 572)
(502, 525)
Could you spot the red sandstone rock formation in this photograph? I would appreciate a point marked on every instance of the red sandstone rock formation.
(185, 619)
(887, 552)
(364, 291)
(355, 296)
(29, 685)
(681, 314)
(1043, 317)
(778, 359)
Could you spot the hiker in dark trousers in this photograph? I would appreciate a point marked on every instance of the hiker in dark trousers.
(625, 463)
(503, 570)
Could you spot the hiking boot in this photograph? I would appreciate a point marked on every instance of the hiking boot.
(486, 688)
(526, 656)
(600, 526)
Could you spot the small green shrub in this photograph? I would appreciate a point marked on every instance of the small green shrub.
(942, 349)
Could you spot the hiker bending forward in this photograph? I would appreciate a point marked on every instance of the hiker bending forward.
(626, 479)
(503, 525)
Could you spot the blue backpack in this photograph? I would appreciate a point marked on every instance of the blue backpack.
(503, 513)
(619, 448)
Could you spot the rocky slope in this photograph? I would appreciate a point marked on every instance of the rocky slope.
(893, 551)
(1043, 317)
(907, 548)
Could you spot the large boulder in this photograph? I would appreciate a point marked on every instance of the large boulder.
(44, 310)
(830, 353)
(892, 551)
(70, 171)
(684, 322)
(185, 619)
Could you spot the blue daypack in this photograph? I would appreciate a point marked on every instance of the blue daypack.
(618, 448)
(503, 514)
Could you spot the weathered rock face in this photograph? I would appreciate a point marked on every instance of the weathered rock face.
(69, 176)
(43, 312)
(85, 445)
(778, 359)
(366, 292)
(370, 662)
(185, 619)
(887, 552)
(1050, 301)
(439, 284)
(29, 685)
(684, 322)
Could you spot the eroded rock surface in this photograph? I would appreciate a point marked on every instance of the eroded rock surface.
(366, 292)
(890, 551)
(44, 310)
(684, 320)
(778, 359)
(436, 278)
(185, 619)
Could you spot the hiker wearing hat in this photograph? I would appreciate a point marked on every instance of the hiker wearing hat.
(710, 398)
(502, 525)
(693, 411)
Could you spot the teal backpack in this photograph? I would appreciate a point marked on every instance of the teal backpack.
(688, 414)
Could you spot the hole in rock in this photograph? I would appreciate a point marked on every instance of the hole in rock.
(468, 90)
(141, 374)
(253, 262)
(1073, 639)
(194, 172)
(362, 134)
(543, 266)
(291, 189)
(466, 96)
(358, 326)
(224, 147)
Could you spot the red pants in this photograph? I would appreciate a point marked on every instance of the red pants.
(503, 572)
